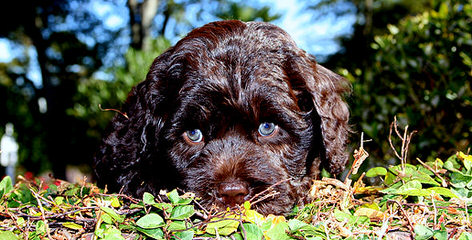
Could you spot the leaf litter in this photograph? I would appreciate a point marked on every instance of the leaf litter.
(430, 200)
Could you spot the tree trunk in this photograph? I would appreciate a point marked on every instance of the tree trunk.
(141, 17)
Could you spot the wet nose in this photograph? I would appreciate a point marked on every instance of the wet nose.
(232, 193)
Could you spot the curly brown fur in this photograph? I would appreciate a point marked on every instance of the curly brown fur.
(225, 79)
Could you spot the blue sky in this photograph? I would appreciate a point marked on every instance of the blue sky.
(317, 36)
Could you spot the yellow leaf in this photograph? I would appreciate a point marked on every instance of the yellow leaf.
(276, 219)
(370, 213)
(254, 217)
(465, 156)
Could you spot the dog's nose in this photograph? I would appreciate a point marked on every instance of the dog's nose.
(232, 193)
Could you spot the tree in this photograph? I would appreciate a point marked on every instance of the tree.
(71, 45)
(417, 68)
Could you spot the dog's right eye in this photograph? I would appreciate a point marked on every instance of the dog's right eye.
(193, 136)
(267, 129)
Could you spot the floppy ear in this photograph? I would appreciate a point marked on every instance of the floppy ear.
(127, 152)
(327, 90)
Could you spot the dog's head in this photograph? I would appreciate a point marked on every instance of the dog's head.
(231, 110)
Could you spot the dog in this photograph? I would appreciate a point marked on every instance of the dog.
(234, 111)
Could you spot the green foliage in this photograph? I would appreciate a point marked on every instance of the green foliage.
(409, 202)
(421, 71)
(110, 94)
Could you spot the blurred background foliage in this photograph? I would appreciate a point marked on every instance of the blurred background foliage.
(406, 58)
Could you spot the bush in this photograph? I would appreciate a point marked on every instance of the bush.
(421, 72)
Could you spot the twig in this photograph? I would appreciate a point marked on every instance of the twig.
(406, 139)
(111, 109)
(270, 188)
(443, 182)
(406, 216)
(42, 212)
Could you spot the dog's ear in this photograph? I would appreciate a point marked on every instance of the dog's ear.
(133, 136)
(327, 90)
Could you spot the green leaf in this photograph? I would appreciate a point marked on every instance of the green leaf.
(423, 233)
(72, 225)
(155, 233)
(59, 200)
(458, 177)
(185, 235)
(182, 212)
(465, 236)
(148, 198)
(295, 224)
(116, 217)
(176, 226)
(173, 197)
(440, 234)
(376, 171)
(113, 234)
(163, 206)
(390, 178)
(425, 178)
(224, 227)
(279, 231)
(411, 185)
(41, 228)
(452, 164)
(4, 235)
(253, 232)
(5, 186)
(149, 221)
(443, 191)
(341, 216)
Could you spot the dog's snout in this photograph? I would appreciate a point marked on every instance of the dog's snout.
(232, 193)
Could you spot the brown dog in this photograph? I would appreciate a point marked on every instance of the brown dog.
(230, 110)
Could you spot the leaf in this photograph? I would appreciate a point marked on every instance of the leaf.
(254, 217)
(113, 234)
(458, 177)
(224, 227)
(176, 226)
(113, 214)
(443, 191)
(376, 171)
(148, 198)
(341, 216)
(465, 236)
(253, 232)
(411, 185)
(452, 164)
(155, 233)
(466, 159)
(149, 221)
(4, 235)
(115, 202)
(370, 213)
(59, 200)
(163, 206)
(185, 235)
(278, 231)
(173, 197)
(5, 186)
(72, 225)
(41, 228)
(423, 232)
(425, 178)
(295, 224)
(182, 212)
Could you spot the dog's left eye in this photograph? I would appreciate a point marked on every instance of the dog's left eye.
(193, 136)
(267, 128)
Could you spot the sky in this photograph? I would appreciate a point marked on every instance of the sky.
(317, 37)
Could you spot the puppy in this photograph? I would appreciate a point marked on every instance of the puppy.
(229, 111)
